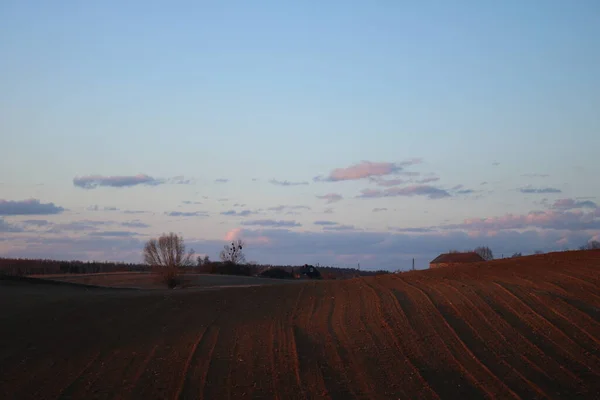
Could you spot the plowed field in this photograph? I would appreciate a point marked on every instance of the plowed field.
(522, 328)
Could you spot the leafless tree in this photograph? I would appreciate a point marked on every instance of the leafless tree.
(232, 253)
(166, 255)
(485, 252)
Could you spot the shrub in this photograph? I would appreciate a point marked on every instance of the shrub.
(277, 273)
(229, 268)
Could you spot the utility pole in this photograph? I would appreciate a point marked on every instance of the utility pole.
(359, 266)
(413, 266)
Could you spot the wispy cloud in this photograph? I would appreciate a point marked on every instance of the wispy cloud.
(281, 208)
(379, 209)
(243, 213)
(428, 179)
(326, 223)
(339, 228)
(388, 182)
(556, 220)
(331, 197)
(287, 183)
(495, 163)
(328, 210)
(272, 223)
(37, 222)
(569, 204)
(191, 202)
(117, 181)
(221, 180)
(135, 224)
(535, 175)
(114, 234)
(180, 180)
(28, 207)
(366, 169)
(530, 189)
(77, 226)
(187, 214)
(415, 190)
(96, 207)
(8, 227)
(413, 230)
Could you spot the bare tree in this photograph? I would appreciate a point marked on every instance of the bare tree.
(485, 252)
(515, 255)
(232, 253)
(166, 255)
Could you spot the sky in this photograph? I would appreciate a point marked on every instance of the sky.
(338, 132)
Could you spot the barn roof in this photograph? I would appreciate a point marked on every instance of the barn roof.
(467, 257)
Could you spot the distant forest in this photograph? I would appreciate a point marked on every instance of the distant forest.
(25, 266)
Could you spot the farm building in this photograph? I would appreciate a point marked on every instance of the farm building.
(450, 259)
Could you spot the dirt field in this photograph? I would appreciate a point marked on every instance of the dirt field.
(145, 280)
(524, 328)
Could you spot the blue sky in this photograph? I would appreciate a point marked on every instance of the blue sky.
(142, 107)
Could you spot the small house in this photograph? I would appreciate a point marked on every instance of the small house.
(452, 259)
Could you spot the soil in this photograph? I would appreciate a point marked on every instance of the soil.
(525, 328)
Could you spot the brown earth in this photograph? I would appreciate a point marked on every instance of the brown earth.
(522, 328)
(147, 280)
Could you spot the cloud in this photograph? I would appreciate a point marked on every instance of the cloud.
(96, 207)
(272, 223)
(134, 212)
(135, 224)
(388, 182)
(8, 227)
(280, 208)
(413, 230)
(529, 189)
(495, 163)
(366, 169)
(221, 180)
(243, 213)
(389, 249)
(483, 183)
(415, 190)
(239, 205)
(428, 179)
(191, 202)
(569, 204)
(28, 207)
(37, 222)
(536, 175)
(325, 223)
(339, 228)
(554, 220)
(328, 210)
(379, 209)
(94, 181)
(465, 191)
(180, 180)
(187, 214)
(287, 183)
(114, 234)
(331, 197)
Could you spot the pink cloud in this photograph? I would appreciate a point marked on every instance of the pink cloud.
(559, 220)
(367, 169)
(233, 234)
(569, 204)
